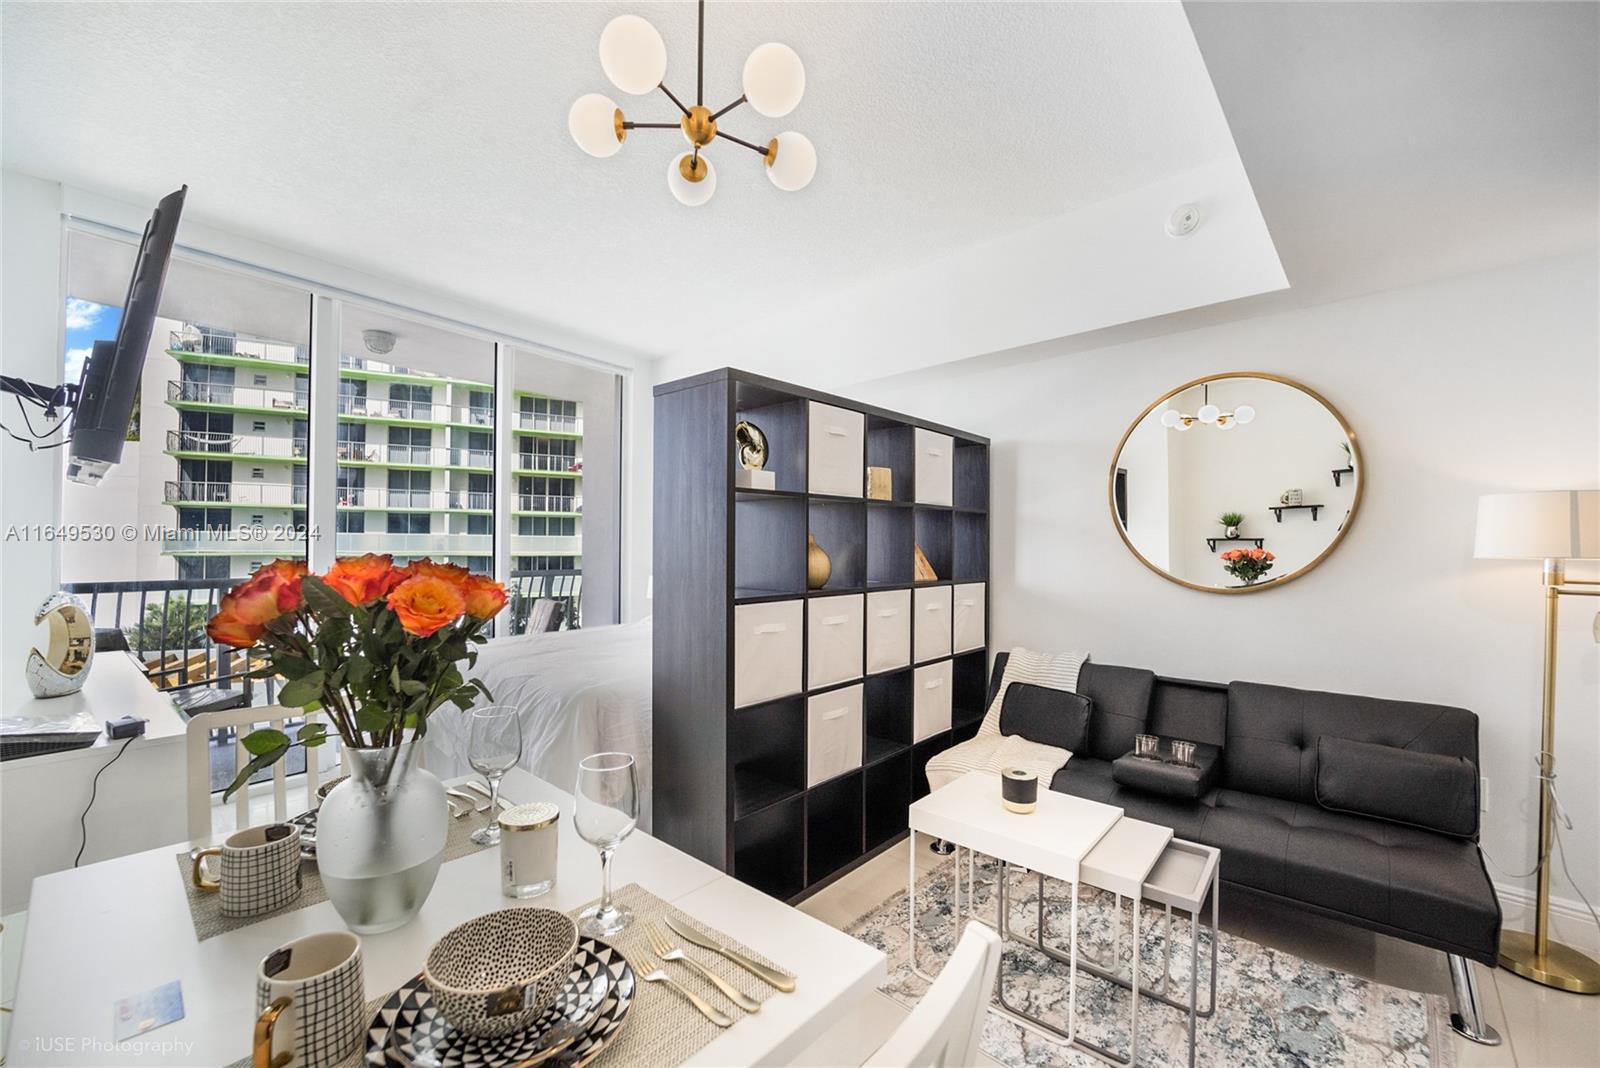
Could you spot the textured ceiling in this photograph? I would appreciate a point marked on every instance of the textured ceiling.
(427, 142)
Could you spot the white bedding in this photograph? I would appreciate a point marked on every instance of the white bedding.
(581, 691)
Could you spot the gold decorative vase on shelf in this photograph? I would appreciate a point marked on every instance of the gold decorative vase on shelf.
(818, 566)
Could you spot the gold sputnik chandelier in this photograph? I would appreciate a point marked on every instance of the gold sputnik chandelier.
(634, 58)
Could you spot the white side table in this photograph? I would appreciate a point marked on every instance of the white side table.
(1051, 840)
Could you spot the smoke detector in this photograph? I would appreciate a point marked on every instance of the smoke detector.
(1184, 220)
(378, 342)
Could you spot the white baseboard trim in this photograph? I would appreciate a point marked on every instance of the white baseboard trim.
(1570, 922)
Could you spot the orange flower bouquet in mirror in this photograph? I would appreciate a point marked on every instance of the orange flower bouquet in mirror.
(374, 646)
(1249, 566)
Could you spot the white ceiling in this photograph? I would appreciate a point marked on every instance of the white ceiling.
(427, 142)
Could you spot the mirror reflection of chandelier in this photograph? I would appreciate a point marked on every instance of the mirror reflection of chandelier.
(1209, 414)
(634, 58)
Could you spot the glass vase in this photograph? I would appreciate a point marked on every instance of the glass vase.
(381, 836)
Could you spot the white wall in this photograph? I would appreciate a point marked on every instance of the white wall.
(1459, 387)
(30, 346)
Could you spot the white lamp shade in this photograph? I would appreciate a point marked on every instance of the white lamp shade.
(795, 164)
(774, 79)
(1243, 414)
(1224, 423)
(1208, 413)
(691, 194)
(593, 124)
(633, 55)
(1552, 525)
(1170, 418)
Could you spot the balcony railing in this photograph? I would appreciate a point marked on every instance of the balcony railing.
(265, 445)
(194, 339)
(421, 500)
(415, 411)
(548, 461)
(549, 502)
(348, 543)
(279, 494)
(526, 587)
(565, 424)
(378, 452)
(546, 544)
(235, 541)
(280, 400)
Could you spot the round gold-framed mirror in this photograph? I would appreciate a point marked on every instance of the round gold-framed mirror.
(1236, 482)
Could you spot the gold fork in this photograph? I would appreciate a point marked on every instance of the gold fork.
(664, 949)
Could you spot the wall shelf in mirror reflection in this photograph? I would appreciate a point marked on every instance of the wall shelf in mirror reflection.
(1167, 487)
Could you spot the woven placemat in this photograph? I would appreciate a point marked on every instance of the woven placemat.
(206, 909)
(661, 1029)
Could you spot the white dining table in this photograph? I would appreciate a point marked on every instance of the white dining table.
(122, 927)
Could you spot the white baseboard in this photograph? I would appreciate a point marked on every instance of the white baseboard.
(1570, 922)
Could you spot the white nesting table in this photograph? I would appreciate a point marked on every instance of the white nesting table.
(122, 927)
(1052, 840)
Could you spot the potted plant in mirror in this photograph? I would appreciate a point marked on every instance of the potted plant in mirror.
(1231, 521)
(376, 649)
(1249, 566)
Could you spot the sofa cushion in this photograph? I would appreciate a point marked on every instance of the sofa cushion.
(1426, 790)
(1121, 697)
(1273, 732)
(1090, 778)
(1050, 717)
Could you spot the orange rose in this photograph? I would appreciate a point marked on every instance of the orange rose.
(246, 609)
(485, 597)
(427, 603)
(449, 572)
(363, 579)
(227, 627)
(284, 576)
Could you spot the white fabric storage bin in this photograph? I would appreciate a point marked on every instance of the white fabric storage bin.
(888, 630)
(930, 627)
(935, 468)
(766, 651)
(833, 734)
(967, 615)
(931, 702)
(837, 462)
(834, 629)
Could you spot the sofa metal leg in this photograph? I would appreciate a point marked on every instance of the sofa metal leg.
(941, 847)
(1468, 1020)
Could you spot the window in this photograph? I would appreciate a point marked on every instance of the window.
(260, 380)
(259, 426)
(421, 418)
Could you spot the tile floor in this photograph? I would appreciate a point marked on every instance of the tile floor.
(1541, 1028)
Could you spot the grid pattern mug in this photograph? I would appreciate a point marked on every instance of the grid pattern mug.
(311, 1001)
(258, 870)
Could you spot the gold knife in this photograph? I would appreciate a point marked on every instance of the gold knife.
(771, 976)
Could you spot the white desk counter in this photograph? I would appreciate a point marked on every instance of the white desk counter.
(122, 927)
(140, 802)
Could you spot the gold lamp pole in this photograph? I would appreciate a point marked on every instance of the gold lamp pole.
(1555, 527)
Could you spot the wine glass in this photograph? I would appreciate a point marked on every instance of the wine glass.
(494, 744)
(607, 812)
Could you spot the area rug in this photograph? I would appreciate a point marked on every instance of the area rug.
(1272, 1007)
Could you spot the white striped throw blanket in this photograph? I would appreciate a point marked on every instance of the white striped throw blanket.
(989, 750)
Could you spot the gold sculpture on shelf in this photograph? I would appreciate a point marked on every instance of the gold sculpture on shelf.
(818, 567)
(924, 570)
(880, 484)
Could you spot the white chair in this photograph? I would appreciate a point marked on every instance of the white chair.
(943, 1030)
(243, 720)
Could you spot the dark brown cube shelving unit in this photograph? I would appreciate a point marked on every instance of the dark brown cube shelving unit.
(734, 783)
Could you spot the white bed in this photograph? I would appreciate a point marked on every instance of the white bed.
(581, 691)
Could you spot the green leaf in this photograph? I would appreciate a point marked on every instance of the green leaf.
(372, 718)
(264, 740)
(312, 731)
(411, 687)
(321, 599)
(264, 760)
(301, 692)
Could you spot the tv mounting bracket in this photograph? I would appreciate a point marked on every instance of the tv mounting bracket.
(51, 397)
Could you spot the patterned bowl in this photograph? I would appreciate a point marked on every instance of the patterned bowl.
(494, 975)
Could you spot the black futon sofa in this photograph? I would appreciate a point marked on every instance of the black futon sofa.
(1392, 844)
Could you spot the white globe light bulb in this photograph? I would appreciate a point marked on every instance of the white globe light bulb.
(691, 194)
(794, 163)
(1208, 413)
(1170, 418)
(1224, 423)
(774, 79)
(594, 123)
(1244, 413)
(633, 55)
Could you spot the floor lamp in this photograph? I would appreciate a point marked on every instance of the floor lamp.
(1554, 527)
